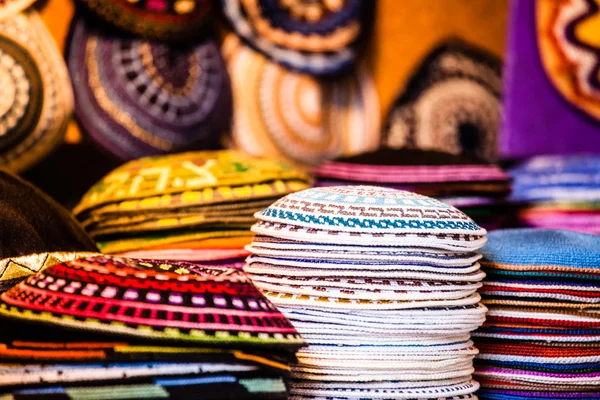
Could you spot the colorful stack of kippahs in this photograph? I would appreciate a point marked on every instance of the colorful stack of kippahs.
(137, 97)
(477, 188)
(558, 192)
(177, 330)
(314, 37)
(382, 285)
(36, 101)
(541, 338)
(296, 117)
(192, 206)
(35, 232)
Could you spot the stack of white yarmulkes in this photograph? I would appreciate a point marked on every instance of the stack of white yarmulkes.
(382, 285)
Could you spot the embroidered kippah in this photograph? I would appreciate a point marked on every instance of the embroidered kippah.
(15, 269)
(311, 37)
(159, 19)
(196, 175)
(558, 192)
(36, 99)
(144, 299)
(541, 331)
(137, 98)
(386, 309)
(285, 114)
(540, 249)
(369, 209)
(451, 104)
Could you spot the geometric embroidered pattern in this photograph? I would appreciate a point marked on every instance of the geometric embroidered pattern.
(104, 294)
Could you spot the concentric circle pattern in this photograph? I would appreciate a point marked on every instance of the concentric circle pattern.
(313, 37)
(284, 114)
(36, 95)
(139, 98)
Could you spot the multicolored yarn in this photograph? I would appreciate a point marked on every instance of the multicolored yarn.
(180, 201)
(289, 115)
(157, 19)
(541, 333)
(451, 104)
(138, 98)
(478, 188)
(245, 387)
(36, 100)
(15, 269)
(558, 192)
(387, 317)
(315, 38)
(144, 299)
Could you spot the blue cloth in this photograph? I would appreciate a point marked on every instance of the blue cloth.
(543, 247)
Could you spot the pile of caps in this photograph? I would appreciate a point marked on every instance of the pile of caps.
(476, 187)
(382, 285)
(541, 338)
(104, 327)
(558, 192)
(192, 206)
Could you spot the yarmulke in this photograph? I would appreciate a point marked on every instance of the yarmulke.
(285, 114)
(159, 19)
(15, 269)
(369, 209)
(36, 100)
(33, 223)
(542, 249)
(542, 332)
(193, 201)
(314, 38)
(138, 98)
(8, 8)
(123, 296)
(451, 104)
(386, 311)
(558, 192)
(200, 177)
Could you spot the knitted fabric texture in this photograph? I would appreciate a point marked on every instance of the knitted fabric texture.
(355, 300)
(558, 192)
(476, 187)
(138, 98)
(140, 325)
(451, 104)
(317, 38)
(541, 336)
(293, 116)
(180, 201)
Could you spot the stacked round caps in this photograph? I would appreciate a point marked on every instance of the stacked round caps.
(477, 188)
(541, 338)
(193, 206)
(382, 285)
(559, 192)
(175, 330)
(317, 38)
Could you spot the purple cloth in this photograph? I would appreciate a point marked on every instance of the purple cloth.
(538, 120)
